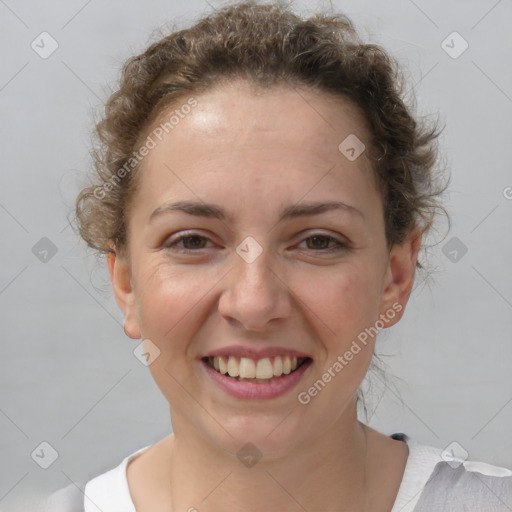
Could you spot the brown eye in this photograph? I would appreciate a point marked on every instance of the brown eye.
(193, 242)
(186, 243)
(319, 241)
(324, 244)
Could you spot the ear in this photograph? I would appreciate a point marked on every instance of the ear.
(121, 278)
(400, 276)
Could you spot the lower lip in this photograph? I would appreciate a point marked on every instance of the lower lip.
(244, 389)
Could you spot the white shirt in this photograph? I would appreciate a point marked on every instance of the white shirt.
(432, 481)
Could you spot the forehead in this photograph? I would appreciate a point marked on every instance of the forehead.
(238, 126)
(313, 120)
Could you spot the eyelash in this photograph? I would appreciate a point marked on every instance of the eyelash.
(339, 246)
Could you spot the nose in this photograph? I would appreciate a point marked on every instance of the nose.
(255, 296)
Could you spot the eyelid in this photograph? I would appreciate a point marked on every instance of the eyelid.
(308, 233)
(340, 242)
(178, 237)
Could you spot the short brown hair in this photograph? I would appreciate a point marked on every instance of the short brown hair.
(267, 45)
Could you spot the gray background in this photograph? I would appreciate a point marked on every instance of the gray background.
(68, 374)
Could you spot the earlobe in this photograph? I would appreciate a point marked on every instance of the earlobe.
(400, 273)
(121, 278)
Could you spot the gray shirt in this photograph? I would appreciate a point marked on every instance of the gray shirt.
(433, 481)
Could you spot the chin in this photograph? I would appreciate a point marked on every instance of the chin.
(269, 437)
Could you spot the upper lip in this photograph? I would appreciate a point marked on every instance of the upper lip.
(253, 353)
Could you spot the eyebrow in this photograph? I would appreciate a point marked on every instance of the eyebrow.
(200, 209)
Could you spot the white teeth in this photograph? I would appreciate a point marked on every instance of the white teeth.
(287, 365)
(246, 368)
(222, 365)
(232, 367)
(278, 366)
(264, 369)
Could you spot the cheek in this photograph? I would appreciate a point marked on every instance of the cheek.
(343, 305)
(342, 301)
(169, 305)
(167, 300)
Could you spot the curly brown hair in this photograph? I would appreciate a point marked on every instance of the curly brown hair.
(267, 45)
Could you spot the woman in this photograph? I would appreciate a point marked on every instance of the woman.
(262, 195)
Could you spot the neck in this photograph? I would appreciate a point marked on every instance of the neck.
(328, 474)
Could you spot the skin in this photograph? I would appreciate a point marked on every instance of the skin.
(254, 152)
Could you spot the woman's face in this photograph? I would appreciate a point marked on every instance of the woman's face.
(265, 271)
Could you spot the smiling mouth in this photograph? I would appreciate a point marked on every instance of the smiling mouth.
(262, 371)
